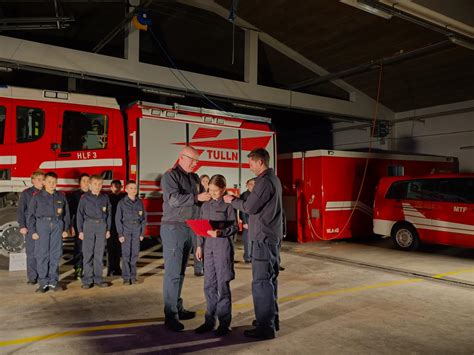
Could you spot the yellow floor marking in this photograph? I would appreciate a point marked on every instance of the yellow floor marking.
(455, 272)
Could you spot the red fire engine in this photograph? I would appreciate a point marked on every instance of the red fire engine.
(71, 133)
(329, 194)
(436, 209)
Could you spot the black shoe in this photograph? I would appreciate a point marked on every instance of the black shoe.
(185, 315)
(126, 282)
(133, 282)
(55, 288)
(277, 324)
(42, 289)
(260, 333)
(86, 287)
(281, 268)
(31, 282)
(221, 331)
(102, 285)
(198, 273)
(174, 325)
(204, 328)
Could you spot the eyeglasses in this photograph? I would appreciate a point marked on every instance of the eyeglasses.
(193, 159)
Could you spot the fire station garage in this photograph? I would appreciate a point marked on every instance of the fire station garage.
(230, 176)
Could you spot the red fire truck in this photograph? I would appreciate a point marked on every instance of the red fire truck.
(72, 133)
(329, 194)
(436, 209)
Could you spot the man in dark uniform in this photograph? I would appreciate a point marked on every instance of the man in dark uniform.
(244, 217)
(113, 243)
(182, 195)
(48, 222)
(73, 200)
(94, 219)
(37, 179)
(264, 205)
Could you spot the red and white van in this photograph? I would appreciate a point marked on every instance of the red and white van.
(436, 209)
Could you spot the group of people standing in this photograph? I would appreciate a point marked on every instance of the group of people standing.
(116, 221)
(184, 197)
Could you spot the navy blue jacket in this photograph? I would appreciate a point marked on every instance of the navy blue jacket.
(221, 216)
(23, 203)
(180, 190)
(44, 204)
(265, 208)
(130, 215)
(93, 207)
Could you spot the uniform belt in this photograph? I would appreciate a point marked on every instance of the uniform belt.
(95, 220)
(133, 222)
(176, 223)
(48, 218)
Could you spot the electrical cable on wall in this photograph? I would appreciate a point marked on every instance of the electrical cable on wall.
(374, 121)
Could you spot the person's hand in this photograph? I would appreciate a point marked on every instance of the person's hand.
(24, 231)
(246, 226)
(107, 235)
(228, 198)
(141, 238)
(122, 239)
(65, 235)
(199, 253)
(35, 236)
(81, 236)
(214, 233)
(204, 196)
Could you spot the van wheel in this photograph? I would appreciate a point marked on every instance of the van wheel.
(405, 237)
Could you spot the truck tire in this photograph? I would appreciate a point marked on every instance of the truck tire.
(405, 237)
(11, 240)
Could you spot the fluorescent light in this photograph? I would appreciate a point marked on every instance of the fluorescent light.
(162, 93)
(251, 107)
(367, 8)
(462, 43)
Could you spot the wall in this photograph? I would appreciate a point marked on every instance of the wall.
(437, 130)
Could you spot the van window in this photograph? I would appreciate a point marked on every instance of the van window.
(84, 131)
(3, 120)
(29, 124)
(422, 190)
(398, 190)
(456, 190)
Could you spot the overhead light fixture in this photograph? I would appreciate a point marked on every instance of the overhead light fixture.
(163, 93)
(367, 8)
(462, 43)
(248, 106)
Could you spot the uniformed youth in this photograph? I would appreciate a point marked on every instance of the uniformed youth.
(94, 218)
(218, 253)
(182, 195)
(130, 220)
(113, 243)
(73, 199)
(264, 206)
(245, 223)
(37, 179)
(48, 222)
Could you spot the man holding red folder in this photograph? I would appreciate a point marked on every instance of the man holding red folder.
(182, 196)
(264, 207)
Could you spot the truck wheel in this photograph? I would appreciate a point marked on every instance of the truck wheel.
(405, 237)
(11, 240)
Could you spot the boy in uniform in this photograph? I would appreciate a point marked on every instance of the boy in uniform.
(94, 218)
(37, 179)
(48, 221)
(113, 243)
(130, 220)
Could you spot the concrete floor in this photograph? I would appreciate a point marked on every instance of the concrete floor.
(345, 304)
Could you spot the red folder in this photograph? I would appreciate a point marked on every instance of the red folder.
(200, 227)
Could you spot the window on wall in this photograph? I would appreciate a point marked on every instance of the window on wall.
(29, 124)
(3, 121)
(84, 131)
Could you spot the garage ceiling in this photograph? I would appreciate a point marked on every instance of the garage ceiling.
(331, 34)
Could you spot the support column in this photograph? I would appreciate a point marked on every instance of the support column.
(251, 57)
(132, 40)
